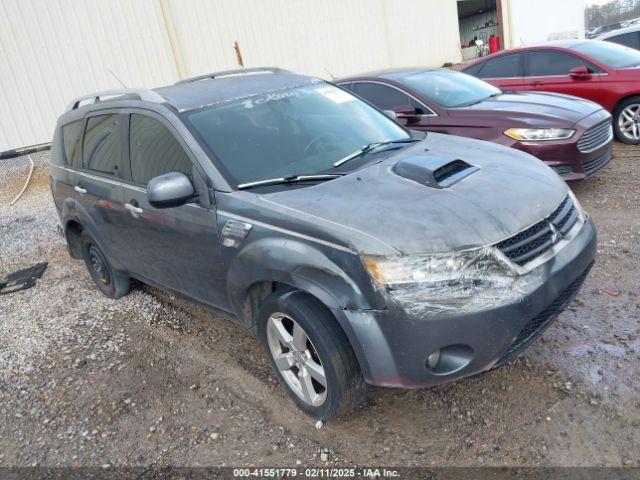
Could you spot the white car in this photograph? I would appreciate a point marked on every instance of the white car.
(629, 37)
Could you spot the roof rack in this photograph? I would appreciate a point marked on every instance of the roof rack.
(143, 94)
(238, 71)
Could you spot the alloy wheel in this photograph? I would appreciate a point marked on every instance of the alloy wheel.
(629, 122)
(296, 359)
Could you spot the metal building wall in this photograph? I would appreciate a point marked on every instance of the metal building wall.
(54, 50)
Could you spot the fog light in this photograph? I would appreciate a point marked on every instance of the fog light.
(449, 359)
(432, 360)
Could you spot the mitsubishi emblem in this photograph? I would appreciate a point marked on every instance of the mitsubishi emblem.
(555, 234)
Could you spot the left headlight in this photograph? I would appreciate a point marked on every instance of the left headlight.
(538, 134)
(459, 281)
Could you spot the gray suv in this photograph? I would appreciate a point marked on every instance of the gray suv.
(356, 250)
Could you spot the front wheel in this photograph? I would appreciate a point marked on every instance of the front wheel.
(310, 354)
(626, 121)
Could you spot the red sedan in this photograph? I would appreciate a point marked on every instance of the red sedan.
(604, 72)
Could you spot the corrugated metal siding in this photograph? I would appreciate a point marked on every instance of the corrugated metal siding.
(54, 50)
(337, 36)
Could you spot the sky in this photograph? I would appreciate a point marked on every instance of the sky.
(597, 2)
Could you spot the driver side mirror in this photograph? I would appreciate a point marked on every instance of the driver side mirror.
(406, 113)
(170, 190)
(580, 73)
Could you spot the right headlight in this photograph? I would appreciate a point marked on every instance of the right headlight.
(467, 280)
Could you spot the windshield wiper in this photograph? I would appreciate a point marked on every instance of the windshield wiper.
(371, 146)
(290, 179)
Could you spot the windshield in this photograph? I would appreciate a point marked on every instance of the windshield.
(610, 54)
(450, 89)
(297, 131)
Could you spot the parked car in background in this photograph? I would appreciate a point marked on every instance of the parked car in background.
(356, 250)
(571, 135)
(604, 72)
(629, 36)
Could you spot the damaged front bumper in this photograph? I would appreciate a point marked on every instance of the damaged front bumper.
(409, 346)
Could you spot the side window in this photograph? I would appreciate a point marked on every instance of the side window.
(502, 67)
(630, 39)
(101, 148)
(385, 97)
(71, 140)
(154, 150)
(346, 86)
(474, 69)
(542, 63)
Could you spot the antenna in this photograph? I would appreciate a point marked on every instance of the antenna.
(330, 74)
(116, 77)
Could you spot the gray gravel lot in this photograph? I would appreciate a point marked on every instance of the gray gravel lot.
(146, 379)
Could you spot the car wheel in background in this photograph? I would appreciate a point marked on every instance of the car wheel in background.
(310, 354)
(626, 121)
(112, 283)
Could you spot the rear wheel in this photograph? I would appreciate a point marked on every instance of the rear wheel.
(310, 354)
(112, 283)
(626, 121)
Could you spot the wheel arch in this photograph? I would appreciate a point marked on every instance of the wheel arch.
(624, 99)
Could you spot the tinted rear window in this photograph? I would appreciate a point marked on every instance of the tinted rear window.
(101, 149)
(71, 141)
(501, 67)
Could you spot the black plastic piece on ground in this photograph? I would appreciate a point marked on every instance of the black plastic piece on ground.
(22, 279)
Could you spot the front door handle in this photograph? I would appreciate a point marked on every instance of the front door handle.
(79, 189)
(133, 209)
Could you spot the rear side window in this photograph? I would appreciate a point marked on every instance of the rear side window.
(102, 147)
(543, 63)
(154, 150)
(385, 97)
(631, 39)
(71, 140)
(502, 67)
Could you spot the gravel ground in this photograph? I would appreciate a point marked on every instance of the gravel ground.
(147, 379)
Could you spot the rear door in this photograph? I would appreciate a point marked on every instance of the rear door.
(98, 181)
(549, 71)
(504, 71)
(389, 97)
(176, 248)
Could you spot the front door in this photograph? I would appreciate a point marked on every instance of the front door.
(176, 248)
(549, 71)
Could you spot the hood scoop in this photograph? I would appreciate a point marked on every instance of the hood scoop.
(434, 171)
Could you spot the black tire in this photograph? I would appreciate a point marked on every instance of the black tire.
(620, 135)
(112, 283)
(345, 387)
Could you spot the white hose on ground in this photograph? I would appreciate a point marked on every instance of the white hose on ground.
(25, 183)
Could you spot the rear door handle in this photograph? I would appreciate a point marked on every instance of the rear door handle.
(133, 209)
(79, 189)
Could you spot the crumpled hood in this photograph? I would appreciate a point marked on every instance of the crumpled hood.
(536, 109)
(376, 211)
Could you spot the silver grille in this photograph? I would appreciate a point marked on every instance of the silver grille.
(596, 137)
